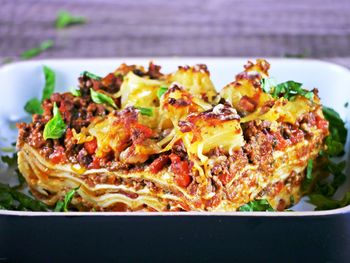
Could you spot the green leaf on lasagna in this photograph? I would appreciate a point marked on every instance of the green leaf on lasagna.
(33, 106)
(90, 75)
(161, 91)
(62, 206)
(75, 92)
(146, 111)
(101, 98)
(256, 205)
(290, 89)
(49, 82)
(56, 127)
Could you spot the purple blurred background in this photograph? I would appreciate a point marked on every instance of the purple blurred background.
(253, 28)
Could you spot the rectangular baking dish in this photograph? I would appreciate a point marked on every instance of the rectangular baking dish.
(232, 236)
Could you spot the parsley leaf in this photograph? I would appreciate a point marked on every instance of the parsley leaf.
(37, 50)
(90, 75)
(336, 140)
(256, 205)
(65, 19)
(56, 127)
(63, 205)
(101, 98)
(75, 92)
(161, 91)
(146, 111)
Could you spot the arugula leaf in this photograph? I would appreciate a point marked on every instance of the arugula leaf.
(101, 98)
(308, 177)
(290, 89)
(9, 160)
(63, 205)
(325, 203)
(75, 92)
(49, 83)
(65, 19)
(256, 205)
(14, 200)
(329, 189)
(33, 106)
(336, 140)
(161, 91)
(90, 75)
(37, 50)
(56, 127)
(146, 111)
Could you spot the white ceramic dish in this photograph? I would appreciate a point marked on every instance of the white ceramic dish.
(24, 80)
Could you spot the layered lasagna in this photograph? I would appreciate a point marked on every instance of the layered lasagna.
(141, 140)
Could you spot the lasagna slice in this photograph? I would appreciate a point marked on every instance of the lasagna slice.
(140, 140)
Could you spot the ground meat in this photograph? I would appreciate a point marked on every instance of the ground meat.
(259, 146)
(154, 71)
(77, 112)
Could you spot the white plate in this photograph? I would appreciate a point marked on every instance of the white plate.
(24, 80)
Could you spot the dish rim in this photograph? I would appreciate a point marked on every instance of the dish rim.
(161, 60)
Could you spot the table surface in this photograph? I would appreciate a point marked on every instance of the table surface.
(248, 28)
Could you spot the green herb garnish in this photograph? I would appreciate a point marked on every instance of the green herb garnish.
(321, 196)
(336, 140)
(33, 106)
(101, 98)
(37, 50)
(161, 91)
(12, 199)
(65, 19)
(256, 205)
(308, 177)
(56, 127)
(346, 104)
(329, 189)
(62, 206)
(50, 79)
(90, 75)
(325, 203)
(75, 92)
(9, 160)
(146, 111)
(290, 89)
